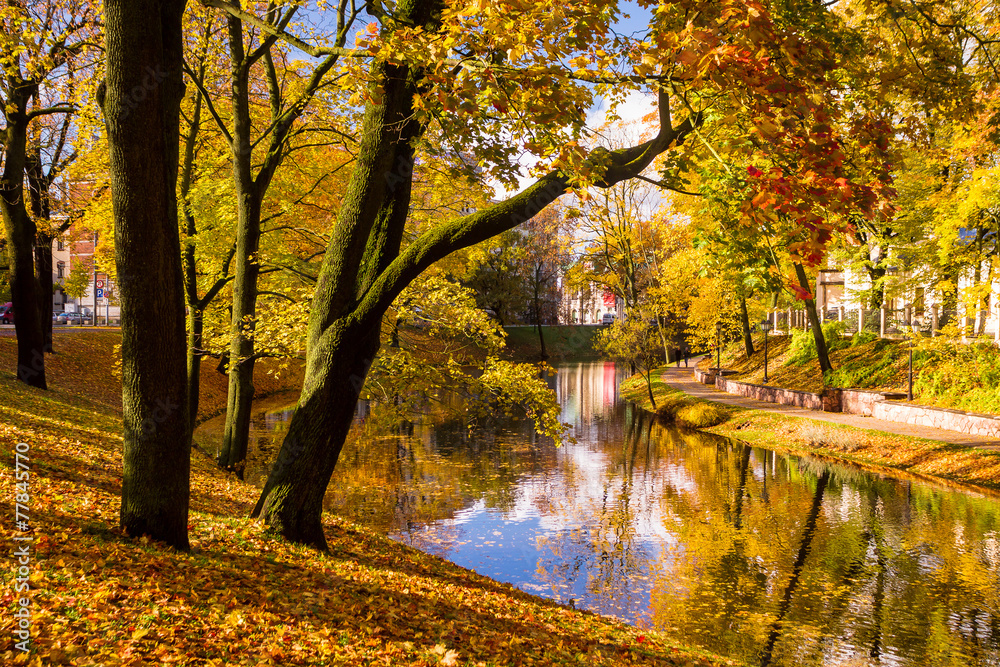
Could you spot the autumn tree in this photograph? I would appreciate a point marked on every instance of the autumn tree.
(436, 63)
(251, 52)
(47, 39)
(635, 342)
(495, 275)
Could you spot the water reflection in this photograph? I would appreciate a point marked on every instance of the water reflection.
(764, 557)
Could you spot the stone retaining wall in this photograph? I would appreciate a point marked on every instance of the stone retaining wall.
(970, 423)
(802, 399)
(859, 401)
(704, 377)
(862, 402)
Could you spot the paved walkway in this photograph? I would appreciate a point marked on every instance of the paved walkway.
(683, 378)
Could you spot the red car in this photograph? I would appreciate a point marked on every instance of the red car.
(7, 313)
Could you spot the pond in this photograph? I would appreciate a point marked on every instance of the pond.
(764, 557)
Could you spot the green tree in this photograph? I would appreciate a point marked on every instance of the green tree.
(635, 342)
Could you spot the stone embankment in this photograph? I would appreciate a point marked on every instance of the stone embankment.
(880, 405)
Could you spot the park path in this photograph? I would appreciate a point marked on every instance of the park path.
(683, 378)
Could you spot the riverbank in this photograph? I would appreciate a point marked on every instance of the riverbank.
(946, 373)
(873, 450)
(241, 596)
(571, 342)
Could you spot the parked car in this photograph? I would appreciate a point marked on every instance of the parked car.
(59, 318)
(73, 318)
(7, 313)
(607, 319)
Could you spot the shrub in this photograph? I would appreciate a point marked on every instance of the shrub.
(959, 376)
(700, 415)
(803, 345)
(863, 337)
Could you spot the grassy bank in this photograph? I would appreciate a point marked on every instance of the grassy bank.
(870, 449)
(946, 374)
(242, 597)
(563, 343)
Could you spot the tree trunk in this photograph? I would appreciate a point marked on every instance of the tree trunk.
(949, 296)
(292, 499)
(877, 295)
(194, 342)
(821, 350)
(236, 438)
(538, 320)
(20, 231)
(747, 333)
(43, 274)
(141, 104)
(649, 388)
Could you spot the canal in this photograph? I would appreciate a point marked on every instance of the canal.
(768, 558)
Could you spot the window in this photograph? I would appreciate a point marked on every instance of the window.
(59, 244)
(61, 270)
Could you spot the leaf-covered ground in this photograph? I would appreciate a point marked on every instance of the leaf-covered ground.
(242, 597)
(875, 450)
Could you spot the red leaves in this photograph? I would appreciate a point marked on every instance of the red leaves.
(754, 171)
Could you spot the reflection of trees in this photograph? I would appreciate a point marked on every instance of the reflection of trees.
(606, 562)
(897, 573)
(800, 560)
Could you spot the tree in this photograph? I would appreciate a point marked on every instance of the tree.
(141, 101)
(634, 341)
(250, 189)
(50, 154)
(545, 259)
(49, 36)
(432, 62)
(496, 277)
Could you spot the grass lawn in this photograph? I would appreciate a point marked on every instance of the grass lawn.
(958, 376)
(241, 596)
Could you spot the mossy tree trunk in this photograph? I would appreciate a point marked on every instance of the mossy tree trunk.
(141, 103)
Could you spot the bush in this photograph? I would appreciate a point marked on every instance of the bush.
(863, 337)
(803, 345)
(954, 375)
(700, 415)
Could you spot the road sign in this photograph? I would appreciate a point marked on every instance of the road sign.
(100, 293)
(99, 285)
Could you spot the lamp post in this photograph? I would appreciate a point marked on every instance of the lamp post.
(765, 326)
(718, 346)
(909, 382)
